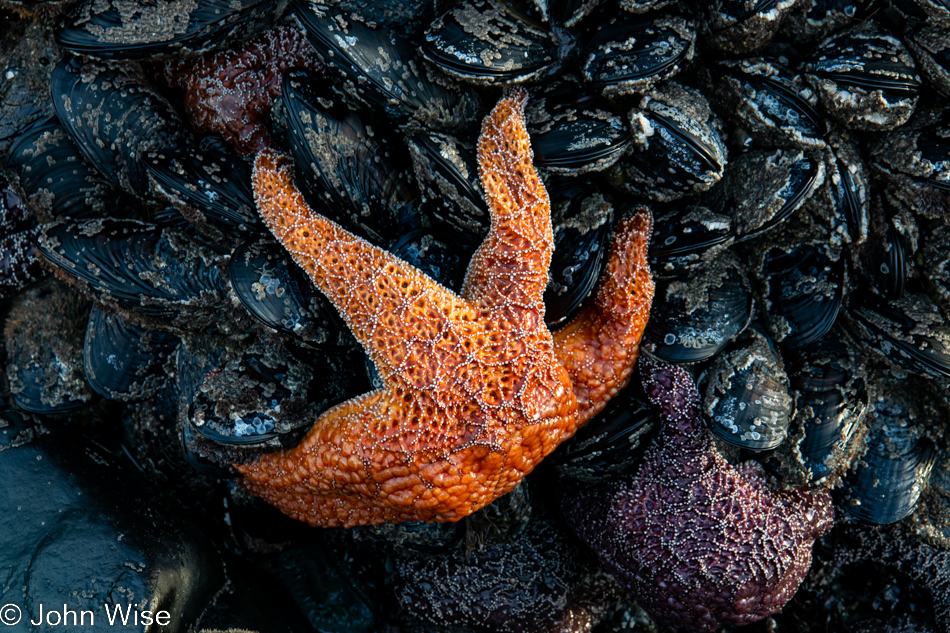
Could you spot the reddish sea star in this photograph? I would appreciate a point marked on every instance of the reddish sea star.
(475, 396)
(698, 543)
(231, 92)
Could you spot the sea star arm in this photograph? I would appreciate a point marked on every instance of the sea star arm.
(600, 346)
(510, 267)
(371, 459)
(396, 312)
(671, 388)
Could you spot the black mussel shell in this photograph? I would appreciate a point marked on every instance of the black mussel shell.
(697, 313)
(582, 227)
(258, 397)
(831, 401)
(888, 480)
(574, 132)
(677, 147)
(55, 179)
(762, 188)
(931, 47)
(20, 262)
(768, 101)
(627, 54)
(910, 332)
(747, 401)
(211, 186)
(887, 257)
(920, 151)
(124, 361)
(848, 182)
(115, 119)
(644, 6)
(44, 358)
(347, 170)
(865, 80)
(935, 265)
(612, 442)
(742, 26)
(934, 11)
(379, 71)
(566, 12)
(440, 261)
(278, 293)
(803, 287)
(132, 29)
(489, 42)
(685, 237)
(818, 18)
(447, 172)
(158, 277)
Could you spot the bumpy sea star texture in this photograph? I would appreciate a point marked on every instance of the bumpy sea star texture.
(698, 543)
(231, 92)
(474, 395)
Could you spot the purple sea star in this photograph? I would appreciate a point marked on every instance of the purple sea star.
(698, 543)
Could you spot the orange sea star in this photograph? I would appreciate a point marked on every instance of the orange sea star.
(477, 391)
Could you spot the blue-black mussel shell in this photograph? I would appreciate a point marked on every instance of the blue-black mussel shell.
(115, 119)
(158, 277)
(131, 29)
(210, 185)
(489, 42)
(696, 313)
(348, 170)
(124, 361)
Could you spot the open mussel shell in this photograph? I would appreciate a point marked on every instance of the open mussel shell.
(931, 47)
(582, 226)
(124, 361)
(131, 29)
(489, 42)
(447, 173)
(574, 132)
(803, 287)
(43, 357)
(747, 401)
(278, 293)
(627, 54)
(157, 277)
(55, 179)
(347, 170)
(698, 312)
(909, 331)
(677, 147)
(762, 188)
(864, 79)
(768, 101)
(889, 478)
(612, 442)
(114, 118)
(832, 397)
(210, 185)
(379, 71)
(686, 237)
(742, 26)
